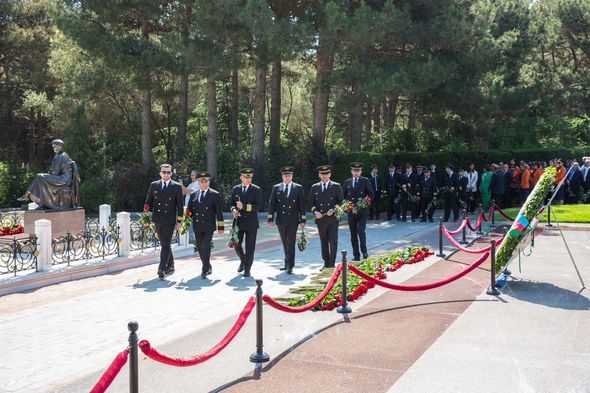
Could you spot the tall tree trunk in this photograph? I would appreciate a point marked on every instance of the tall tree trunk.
(356, 116)
(411, 113)
(234, 106)
(392, 110)
(324, 65)
(211, 127)
(183, 98)
(385, 111)
(147, 157)
(377, 116)
(259, 112)
(275, 105)
(369, 119)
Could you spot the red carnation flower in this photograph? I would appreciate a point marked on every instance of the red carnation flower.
(146, 208)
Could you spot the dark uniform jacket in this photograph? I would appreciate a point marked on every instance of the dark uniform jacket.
(166, 206)
(463, 183)
(452, 181)
(251, 201)
(363, 189)
(429, 190)
(497, 186)
(376, 187)
(411, 182)
(290, 210)
(392, 184)
(322, 202)
(207, 214)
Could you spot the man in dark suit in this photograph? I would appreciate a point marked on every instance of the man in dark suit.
(575, 183)
(462, 194)
(392, 190)
(429, 194)
(586, 176)
(165, 201)
(287, 201)
(206, 209)
(355, 189)
(246, 198)
(419, 204)
(497, 186)
(451, 188)
(409, 190)
(507, 183)
(375, 208)
(325, 196)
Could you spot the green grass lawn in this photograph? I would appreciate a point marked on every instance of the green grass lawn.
(564, 213)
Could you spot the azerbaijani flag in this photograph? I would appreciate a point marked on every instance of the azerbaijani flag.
(519, 225)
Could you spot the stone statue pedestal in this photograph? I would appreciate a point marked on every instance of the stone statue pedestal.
(62, 221)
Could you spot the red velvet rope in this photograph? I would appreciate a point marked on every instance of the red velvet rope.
(420, 287)
(478, 224)
(506, 216)
(468, 250)
(109, 376)
(158, 356)
(459, 229)
(282, 307)
(490, 214)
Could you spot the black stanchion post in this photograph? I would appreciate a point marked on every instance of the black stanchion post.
(480, 229)
(549, 217)
(492, 288)
(259, 356)
(493, 224)
(440, 254)
(464, 234)
(345, 308)
(132, 326)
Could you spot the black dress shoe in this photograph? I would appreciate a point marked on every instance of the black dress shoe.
(209, 271)
(423, 220)
(365, 256)
(290, 271)
(203, 275)
(431, 220)
(247, 274)
(241, 267)
(283, 268)
(170, 270)
(356, 258)
(161, 273)
(413, 220)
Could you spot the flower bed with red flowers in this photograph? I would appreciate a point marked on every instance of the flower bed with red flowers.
(357, 287)
(10, 230)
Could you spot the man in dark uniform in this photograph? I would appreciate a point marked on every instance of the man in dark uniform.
(409, 190)
(375, 208)
(392, 189)
(165, 201)
(462, 193)
(429, 193)
(206, 209)
(287, 201)
(325, 195)
(451, 187)
(419, 205)
(246, 199)
(355, 189)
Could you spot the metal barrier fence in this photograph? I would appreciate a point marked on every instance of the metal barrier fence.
(18, 254)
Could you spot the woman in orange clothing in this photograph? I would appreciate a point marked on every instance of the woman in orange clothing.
(537, 172)
(525, 182)
(560, 176)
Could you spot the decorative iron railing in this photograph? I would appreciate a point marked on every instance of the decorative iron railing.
(85, 246)
(18, 254)
(11, 217)
(145, 237)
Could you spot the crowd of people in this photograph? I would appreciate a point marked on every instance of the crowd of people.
(416, 192)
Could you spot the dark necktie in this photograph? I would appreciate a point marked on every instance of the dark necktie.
(286, 191)
(244, 189)
(201, 195)
(323, 188)
(165, 186)
(354, 183)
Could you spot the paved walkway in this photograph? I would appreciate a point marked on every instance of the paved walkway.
(58, 334)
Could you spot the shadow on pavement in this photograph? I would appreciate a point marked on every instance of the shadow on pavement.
(154, 284)
(241, 283)
(547, 294)
(287, 279)
(196, 284)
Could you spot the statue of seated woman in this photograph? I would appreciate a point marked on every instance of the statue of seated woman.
(57, 189)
